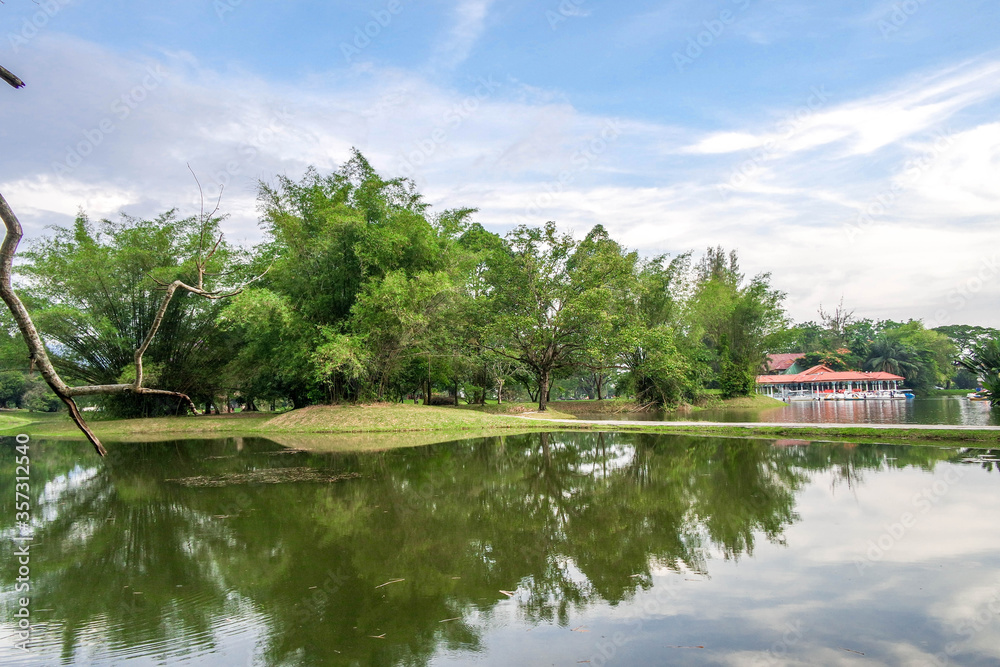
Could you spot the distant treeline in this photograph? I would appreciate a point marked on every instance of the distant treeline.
(368, 295)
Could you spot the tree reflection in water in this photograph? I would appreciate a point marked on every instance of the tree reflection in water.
(138, 555)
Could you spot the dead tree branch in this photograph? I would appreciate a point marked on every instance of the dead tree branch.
(10, 78)
(36, 348)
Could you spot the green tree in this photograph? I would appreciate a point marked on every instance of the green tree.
(662, 365)
(547, 293)
(13, 385)
(739, 321)
(889, 355)
(363, 280)
(983, 360)
(95, 289)
(925, 357)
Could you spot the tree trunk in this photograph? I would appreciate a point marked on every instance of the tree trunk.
(533, 395)
(599, 381)
(500, 393)
(543, 390)
(36, 349)
(427, 392)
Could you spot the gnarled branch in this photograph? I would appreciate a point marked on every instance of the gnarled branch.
(39, 357)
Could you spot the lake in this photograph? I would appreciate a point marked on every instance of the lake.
(949, 410)
(540, 549)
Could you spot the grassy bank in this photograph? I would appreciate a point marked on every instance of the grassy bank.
(847, 434)
(373, 426)
(624, 406)
(755, 402)
(380, 418)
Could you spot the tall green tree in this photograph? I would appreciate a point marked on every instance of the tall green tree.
(738, 320)
(662, 367)
(984, 362)
(363, 277)
(94, 290)
(547, 293)
(926, 356)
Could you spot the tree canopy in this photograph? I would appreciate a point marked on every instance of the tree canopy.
(368, 294)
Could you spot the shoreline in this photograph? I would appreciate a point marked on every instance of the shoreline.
(443, 423)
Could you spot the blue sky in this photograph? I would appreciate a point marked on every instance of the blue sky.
(850, 148)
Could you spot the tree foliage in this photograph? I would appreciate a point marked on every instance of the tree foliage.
(984, 362)
(94, 290)
(368, 294)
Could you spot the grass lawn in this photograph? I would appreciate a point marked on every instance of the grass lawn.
(12, 422)
(367, 424)
(380, 418)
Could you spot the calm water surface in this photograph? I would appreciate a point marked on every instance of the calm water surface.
(542, 549)
(951, 410)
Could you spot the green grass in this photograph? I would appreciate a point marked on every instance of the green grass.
(380, 418)
(951, 392)
(608, 406)
(372, 426)
(754, 402)
(851, 434)
(16, 421)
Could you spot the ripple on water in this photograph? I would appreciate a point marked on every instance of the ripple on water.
(230, 639)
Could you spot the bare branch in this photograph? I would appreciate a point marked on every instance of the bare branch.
(36, 348)
(10, 78)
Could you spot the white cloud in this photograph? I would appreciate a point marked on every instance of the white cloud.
(864, 126)
(520, 155)
(469, 23)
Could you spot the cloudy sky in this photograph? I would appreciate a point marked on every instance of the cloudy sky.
(850, 148)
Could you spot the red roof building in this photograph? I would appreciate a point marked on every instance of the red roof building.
(821, 379)
(780, 363)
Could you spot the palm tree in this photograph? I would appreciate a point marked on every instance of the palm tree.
(984, 361)
(890, 356)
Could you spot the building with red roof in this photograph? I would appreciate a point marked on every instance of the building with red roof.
(823, 382)
(783, 363)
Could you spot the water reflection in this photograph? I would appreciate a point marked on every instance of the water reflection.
(951, 410)
(226, 552)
